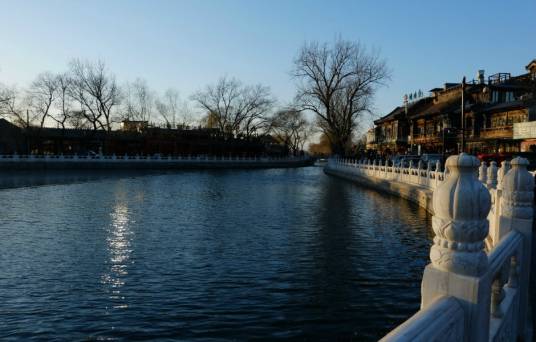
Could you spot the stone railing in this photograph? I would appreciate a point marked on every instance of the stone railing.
(427, 177)
(470, 292)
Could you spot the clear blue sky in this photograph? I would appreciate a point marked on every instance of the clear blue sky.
(188, 44)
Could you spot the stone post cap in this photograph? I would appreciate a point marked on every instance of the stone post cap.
(461, 206)
(517, 161)
(462, 161)
(518, 190)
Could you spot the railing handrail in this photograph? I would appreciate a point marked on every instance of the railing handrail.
(498, 256)
(445, 317)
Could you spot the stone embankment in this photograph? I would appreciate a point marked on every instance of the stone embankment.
(61, 162)
(415, 184)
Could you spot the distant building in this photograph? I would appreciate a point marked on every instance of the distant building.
(134, 126)
(11, 138)
(370, 139)
(134, 138)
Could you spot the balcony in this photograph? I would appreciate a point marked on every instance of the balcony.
(426, 138)
(390, 140)
(497, 132)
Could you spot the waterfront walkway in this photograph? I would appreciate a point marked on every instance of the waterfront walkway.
(476, 287)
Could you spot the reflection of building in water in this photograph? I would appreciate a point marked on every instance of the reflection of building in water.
(410, 215)
(119, 247)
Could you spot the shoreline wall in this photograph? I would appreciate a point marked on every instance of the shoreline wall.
(13, 163)
(413, 193)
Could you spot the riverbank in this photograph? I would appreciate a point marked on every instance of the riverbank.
(419, 195)
(60, 162)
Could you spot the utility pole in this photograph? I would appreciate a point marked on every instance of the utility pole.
(463, 116)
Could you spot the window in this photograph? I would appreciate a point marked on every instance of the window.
(421, 130)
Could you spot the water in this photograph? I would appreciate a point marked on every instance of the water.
(206, 256)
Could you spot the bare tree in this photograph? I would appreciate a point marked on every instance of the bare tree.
(12, 106)
(64, 103)
(77, 120)
(42, 94)
(5, 97)
(338, 82)
(237, 109)
(97, 92)
(138, 100)
(258, 102)
(168, 107)
(290, 127)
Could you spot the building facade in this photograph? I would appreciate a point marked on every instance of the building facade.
(498, 116)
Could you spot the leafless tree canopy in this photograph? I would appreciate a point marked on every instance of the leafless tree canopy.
(42, 95)
(338, 82)
(167, 107)
(13, 106)
(290, 127)
(64, 103)
(234, 108)
(173, 111)
(138, 101)
(96, 90)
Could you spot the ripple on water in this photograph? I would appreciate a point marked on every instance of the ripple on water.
(205, 255)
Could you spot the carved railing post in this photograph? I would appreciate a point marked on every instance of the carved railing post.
(492, 175)
(497, 295)
(461, 204)
(437, 173)
(505, 167)
(483, 173)
(419, 169)
(517, 214)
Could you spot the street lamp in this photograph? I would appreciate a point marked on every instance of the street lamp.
(463, 116)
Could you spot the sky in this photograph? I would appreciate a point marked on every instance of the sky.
(189, 44)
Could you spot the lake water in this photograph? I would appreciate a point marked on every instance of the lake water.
(206, 256)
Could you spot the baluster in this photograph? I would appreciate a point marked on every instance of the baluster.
(437, 174)
(483, 172)
(497, 295)
(505, 167)
(513, 276)
(492, 175)
(458, 262)
(516, 211)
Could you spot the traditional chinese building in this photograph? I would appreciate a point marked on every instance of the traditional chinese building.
(132, 141)
(499, 116)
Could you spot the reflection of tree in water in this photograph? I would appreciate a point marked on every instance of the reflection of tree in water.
(413, 220)
(368, 257)
(20, 179)
(333, 254)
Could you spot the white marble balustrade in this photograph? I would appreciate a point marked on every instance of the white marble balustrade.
(476, 286)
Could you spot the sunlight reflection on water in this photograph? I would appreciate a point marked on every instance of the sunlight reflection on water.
(119, 249)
